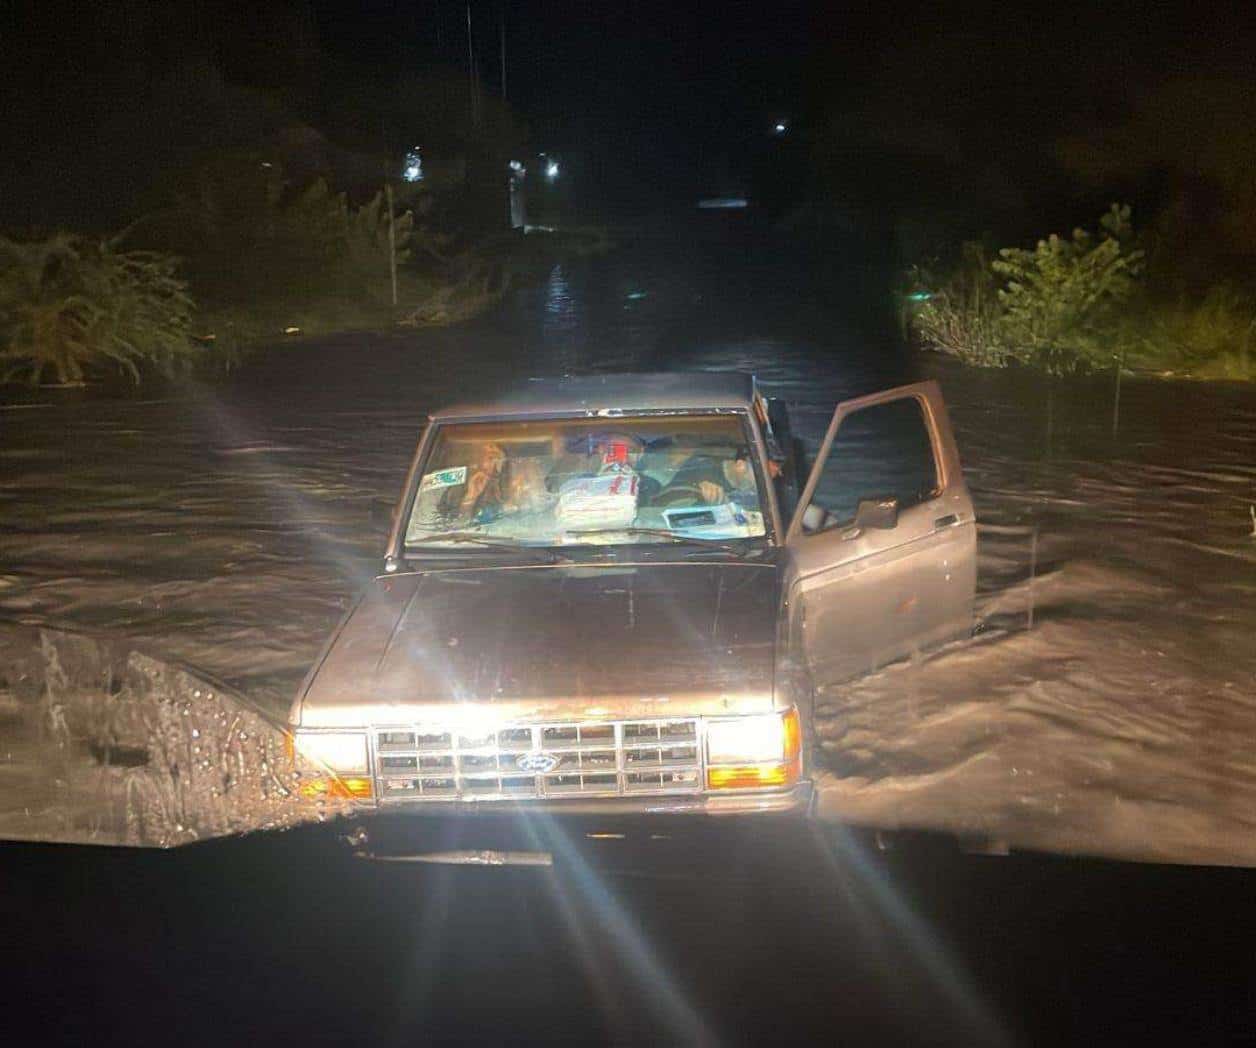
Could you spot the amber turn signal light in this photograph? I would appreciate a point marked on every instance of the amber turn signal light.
(752, 776)
(348, 787)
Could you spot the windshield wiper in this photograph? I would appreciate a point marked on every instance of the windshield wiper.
(664, 533)
(498, 542)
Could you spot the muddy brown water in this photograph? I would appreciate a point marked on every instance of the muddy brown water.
(225, 526)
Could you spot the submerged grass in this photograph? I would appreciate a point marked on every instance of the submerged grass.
(1214, 338)
(460, 287)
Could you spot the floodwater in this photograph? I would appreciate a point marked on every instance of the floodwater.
(225, 527)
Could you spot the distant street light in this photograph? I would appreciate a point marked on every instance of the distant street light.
(551, 170)
(413, 170)
(780, 127)
(518, 205)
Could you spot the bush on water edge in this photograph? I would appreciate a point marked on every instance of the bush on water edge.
(234, 254)
(71, 304)
(1079, 304)
(74, 307)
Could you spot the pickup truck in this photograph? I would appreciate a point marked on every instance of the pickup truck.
(619, 594)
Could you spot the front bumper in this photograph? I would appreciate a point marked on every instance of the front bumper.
(794, 801)
(615, 837)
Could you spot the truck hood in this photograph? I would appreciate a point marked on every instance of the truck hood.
(551, 642)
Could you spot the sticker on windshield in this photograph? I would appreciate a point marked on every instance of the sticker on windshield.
(444, 478)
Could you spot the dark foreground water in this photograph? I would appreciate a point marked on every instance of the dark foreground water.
(289, 940)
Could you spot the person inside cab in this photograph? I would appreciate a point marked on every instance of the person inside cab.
(673, 471)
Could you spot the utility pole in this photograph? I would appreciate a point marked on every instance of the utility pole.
(472, 79)
(392, 241)
(392, 221)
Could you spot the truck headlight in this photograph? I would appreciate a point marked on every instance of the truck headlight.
(343, 754)
(749, 752)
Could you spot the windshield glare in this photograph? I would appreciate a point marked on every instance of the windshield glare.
(589, 481)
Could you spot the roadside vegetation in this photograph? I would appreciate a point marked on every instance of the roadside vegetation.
(71, 304)
(1080, 303)
(1174, 295)
(236, 258)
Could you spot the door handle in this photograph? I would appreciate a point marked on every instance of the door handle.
(947, 521)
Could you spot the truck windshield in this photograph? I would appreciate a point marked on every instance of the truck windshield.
(561, 482)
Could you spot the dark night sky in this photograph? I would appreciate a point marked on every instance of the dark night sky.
(672, 93)
(570, 63)
(703, 71)
(973, 95)
(659, 85)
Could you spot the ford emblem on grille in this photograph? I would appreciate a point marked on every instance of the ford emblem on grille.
(537, 763)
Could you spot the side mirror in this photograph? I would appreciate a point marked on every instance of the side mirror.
(383, 513)
(880, 513)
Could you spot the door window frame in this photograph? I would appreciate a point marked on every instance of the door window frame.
(925, 394)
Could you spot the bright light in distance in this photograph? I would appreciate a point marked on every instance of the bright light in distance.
(516, 166)
(780, 127)
(339, 751)
(551, 169)
(412, 171)
(746, 740)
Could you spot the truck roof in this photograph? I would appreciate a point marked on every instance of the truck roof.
(625, 392)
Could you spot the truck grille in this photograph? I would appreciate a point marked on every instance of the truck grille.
(512, 762)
